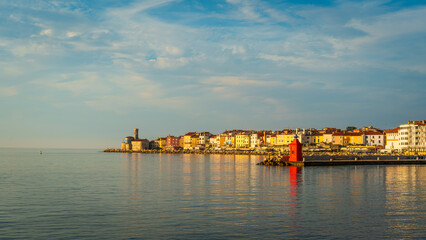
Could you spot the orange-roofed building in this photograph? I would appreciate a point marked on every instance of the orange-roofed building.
(374, 138)
(391, 139)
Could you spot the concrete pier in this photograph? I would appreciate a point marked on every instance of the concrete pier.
(363, 162)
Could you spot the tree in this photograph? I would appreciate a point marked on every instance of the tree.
(350, 128)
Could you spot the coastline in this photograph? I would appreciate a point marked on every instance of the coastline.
(222, 152)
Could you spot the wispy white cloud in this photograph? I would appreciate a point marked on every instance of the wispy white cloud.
(46, 32)
(72, 34)
(8, 91)
(250, 56)
(237, 81)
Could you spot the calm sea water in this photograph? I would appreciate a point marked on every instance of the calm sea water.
(86, 194)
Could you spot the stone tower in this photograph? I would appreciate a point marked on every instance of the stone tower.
(136, 133)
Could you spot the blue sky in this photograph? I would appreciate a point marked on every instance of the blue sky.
(84, 73)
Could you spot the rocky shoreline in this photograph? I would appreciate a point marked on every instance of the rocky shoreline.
(222, 152)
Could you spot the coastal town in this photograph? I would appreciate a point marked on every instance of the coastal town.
(408, 138)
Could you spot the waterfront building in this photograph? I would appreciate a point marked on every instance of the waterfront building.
(412, 137)
(195, 141)
(327, 137)
(222, 140)
(392, 141)
(273, 140)
(187, 142)
(161, 142)
(213, 141)
(256, 139)
(230, 141)
(242, 140)
(354, 138)
(181, 141)
(374, 138)
(140, 144)
(304, 136)
(268, 138)
(154, 144)
(204, 138)
(318, 138)
(338, 138)
(172, 141)
(127, 143)
(406, 136)
(285, 137)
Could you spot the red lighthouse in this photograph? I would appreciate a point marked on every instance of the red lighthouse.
(295, 151)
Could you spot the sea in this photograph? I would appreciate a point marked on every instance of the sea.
(89, 194)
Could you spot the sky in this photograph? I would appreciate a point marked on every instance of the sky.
(84, 73)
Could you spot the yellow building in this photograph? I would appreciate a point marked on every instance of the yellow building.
(230, 141)
(161, 142)
(181, 141)
(187, 142)
(222, 140)
(242, 141)
(286, 138)
(355, 139)
(318, 138)
(274, 140)
(195, 141)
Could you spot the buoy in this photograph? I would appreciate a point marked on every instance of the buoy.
(41, 152)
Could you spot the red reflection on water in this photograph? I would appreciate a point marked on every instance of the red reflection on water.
(294, 181)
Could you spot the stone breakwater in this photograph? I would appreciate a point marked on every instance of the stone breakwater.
(223, 152)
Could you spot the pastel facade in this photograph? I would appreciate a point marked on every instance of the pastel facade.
(374, 139)
(172, 141)
(412, 137)
(354, 139)
(242, 141)
(204, 138)
(214, 141)
(273, 140)
(338, 139)
(392, 141)
(327, 137)
(285, 138)
(154, 144)
(255, 140)
(140, 144)
(162, 142)
(409, 137)
(127, 143)
(229, 141)
(187, 140)
(318, 138)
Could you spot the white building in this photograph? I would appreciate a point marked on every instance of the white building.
(374, 139)
(392, 140)
(304, 136)
(327, 137)
(255, 140)
(412, 136)
(204, 138)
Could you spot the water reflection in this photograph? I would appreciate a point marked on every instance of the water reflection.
(295, 180)
(233, 194)
(94, 195)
